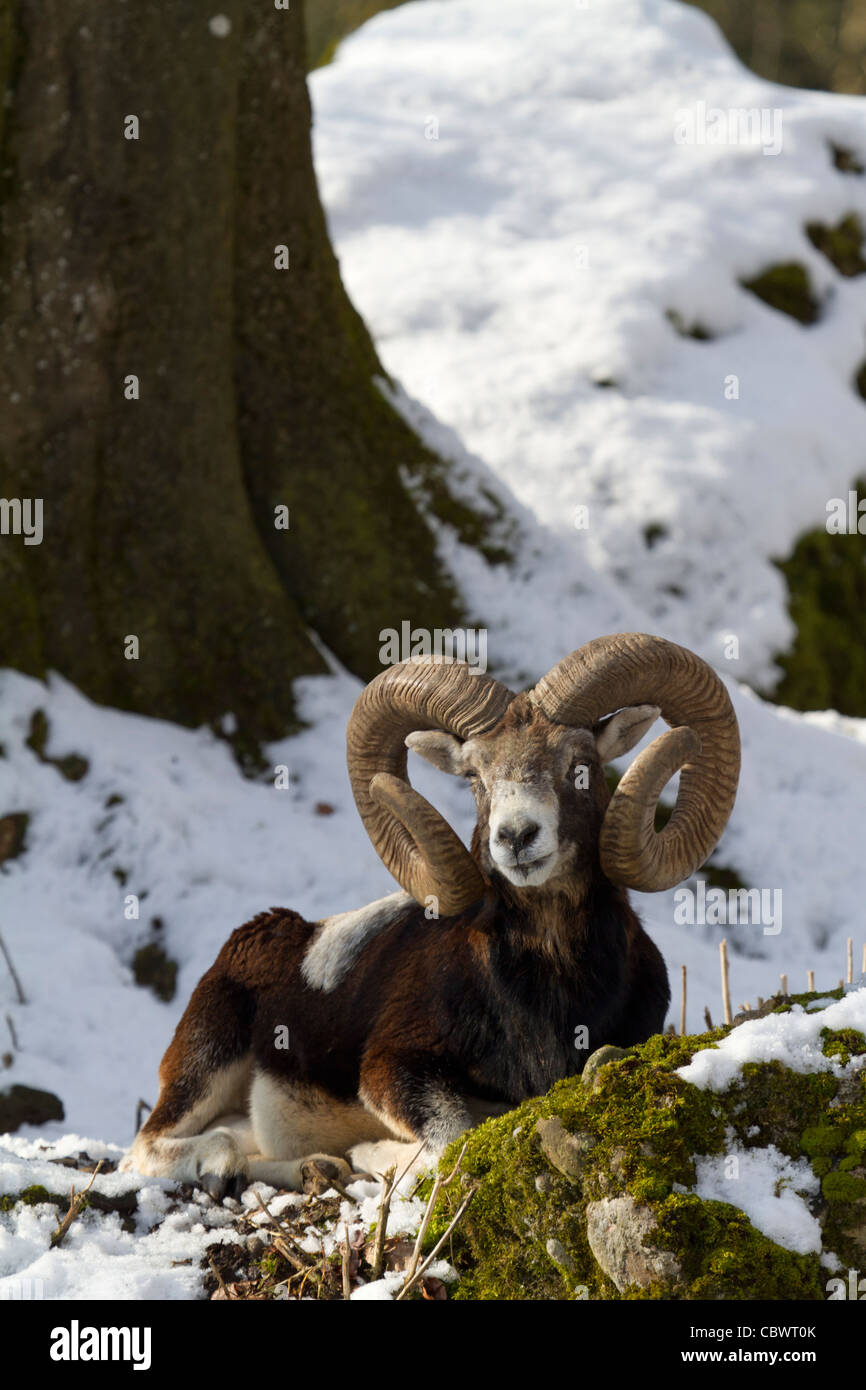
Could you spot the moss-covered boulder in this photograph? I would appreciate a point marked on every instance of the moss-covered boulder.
(787, 288)
(826, 577)
(13, 834)
(592, 1191)
(25, 1105)
(842, 244)
(153, 969)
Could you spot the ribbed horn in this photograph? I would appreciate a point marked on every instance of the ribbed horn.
(634, 668)
(411, 838)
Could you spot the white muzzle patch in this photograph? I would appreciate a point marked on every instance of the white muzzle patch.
(524, 833)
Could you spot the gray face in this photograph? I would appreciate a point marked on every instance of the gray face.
(539, 788)
(535, 800)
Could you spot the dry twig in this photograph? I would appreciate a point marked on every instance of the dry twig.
(13, 972)
(726, 983)
(438, 1246)
(282, 1237)
(220, 1280)
(434, 1197)
(77, 1201)
(389, 1183)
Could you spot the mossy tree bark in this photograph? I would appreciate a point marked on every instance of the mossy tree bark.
(155, 257)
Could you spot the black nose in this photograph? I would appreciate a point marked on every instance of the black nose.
(517, 839)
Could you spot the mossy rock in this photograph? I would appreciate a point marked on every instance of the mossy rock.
(154, 970)
(587, 1192)
(30, 1196)
(842, 244)
(788, 288)
(13, 835)
(826, 577)
(845, 160)
(25, 1105)
(653, 532)
(695, 330)
(842, 1043)
(71, 766)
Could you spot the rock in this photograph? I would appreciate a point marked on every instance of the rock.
(567, 1152)
(598, 1059)
(24, 1105)
(632, 1191)
(851, 1089)
(13, 834)
(153, 969)
(619, 1164)
(766, 1008)
(618, 1230)
(558, 1253)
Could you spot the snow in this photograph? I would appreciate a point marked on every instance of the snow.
(793, 1039)
(514, 218)
(770, 1188)
(161, 1258)
(98, 1258)
(379, 1290)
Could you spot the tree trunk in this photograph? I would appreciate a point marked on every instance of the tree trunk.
(156, 258)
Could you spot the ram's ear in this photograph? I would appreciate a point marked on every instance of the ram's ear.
(619, 732)
(442, 750)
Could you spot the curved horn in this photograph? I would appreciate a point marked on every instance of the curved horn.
(632, 668)
(413, 841)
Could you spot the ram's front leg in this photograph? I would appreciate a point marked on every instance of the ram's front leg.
(415, 1098)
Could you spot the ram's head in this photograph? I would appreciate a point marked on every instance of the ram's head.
(535, 763)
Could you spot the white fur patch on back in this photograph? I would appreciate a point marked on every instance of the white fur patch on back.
(339, 939)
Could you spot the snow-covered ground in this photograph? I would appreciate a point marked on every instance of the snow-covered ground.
(507, 267)
(156, 1250)
(516, 213)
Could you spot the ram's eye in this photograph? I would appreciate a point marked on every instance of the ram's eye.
(469, 774)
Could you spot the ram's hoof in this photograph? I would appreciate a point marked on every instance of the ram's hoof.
(320, 1172)
(221, 1185)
